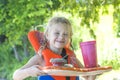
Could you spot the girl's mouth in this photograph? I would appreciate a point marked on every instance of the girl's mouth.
(60, 41)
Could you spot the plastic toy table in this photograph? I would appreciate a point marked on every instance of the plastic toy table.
(72, 71)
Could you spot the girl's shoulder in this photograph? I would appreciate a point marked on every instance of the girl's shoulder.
(69, 51)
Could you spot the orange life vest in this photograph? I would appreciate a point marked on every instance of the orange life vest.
(48, 54)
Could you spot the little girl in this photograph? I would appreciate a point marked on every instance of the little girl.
(57, 35)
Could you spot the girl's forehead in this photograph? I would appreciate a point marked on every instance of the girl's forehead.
(60, 26)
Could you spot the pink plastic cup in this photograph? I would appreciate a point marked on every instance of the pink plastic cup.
(89, 53)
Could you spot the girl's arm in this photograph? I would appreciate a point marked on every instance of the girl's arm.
(30, 68)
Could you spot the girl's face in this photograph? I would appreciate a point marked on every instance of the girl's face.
(58, 36)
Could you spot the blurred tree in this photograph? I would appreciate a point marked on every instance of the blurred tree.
(17, 17)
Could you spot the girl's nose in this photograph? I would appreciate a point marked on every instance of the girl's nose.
(61, 36)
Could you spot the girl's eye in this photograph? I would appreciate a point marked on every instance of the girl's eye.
(65, 34)
(56, 33)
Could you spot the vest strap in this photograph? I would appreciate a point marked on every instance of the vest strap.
(66, 58)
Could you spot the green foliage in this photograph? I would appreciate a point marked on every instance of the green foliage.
(116, 16)
(114, 61)
(19, 18)
(8, 62)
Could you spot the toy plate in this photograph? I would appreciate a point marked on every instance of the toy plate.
(72, 71)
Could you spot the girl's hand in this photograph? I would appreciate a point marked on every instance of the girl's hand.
(35, 71)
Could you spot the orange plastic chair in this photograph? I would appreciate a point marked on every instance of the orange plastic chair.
(36, 39)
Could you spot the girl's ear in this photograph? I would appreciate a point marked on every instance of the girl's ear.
(47, 37)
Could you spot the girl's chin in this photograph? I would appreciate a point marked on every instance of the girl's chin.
(59, 47)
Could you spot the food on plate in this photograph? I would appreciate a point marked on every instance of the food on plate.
(58, 61)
